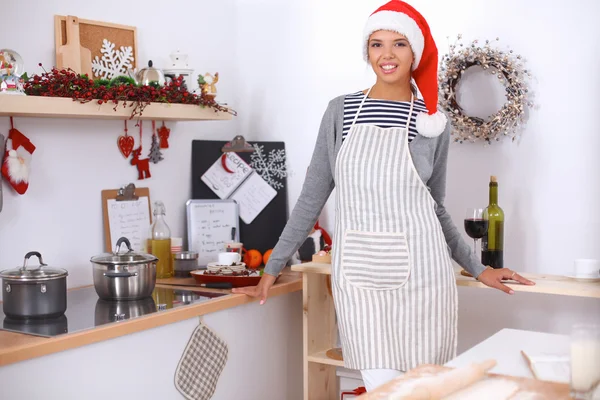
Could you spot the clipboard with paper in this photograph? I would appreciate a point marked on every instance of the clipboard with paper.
(230, 177)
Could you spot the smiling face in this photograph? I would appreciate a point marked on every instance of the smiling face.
(390, 56)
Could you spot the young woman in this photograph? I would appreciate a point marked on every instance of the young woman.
(385, 152)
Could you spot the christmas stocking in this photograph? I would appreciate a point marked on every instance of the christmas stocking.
(17, 159)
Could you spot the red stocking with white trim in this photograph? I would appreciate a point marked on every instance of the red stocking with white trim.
(17, 160)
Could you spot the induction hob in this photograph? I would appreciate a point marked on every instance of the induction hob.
(85, 310)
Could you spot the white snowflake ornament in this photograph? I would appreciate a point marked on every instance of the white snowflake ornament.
(113, 62)
(271, 167)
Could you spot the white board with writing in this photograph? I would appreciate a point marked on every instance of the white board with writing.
(211, 224)
(130, 219)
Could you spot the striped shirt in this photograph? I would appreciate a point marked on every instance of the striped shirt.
(382, 113)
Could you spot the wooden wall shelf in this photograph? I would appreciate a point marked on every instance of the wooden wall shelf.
(56, 107)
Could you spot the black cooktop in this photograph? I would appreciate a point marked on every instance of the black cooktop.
(85, 310)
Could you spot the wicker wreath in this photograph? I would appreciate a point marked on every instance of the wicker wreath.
(510, 71)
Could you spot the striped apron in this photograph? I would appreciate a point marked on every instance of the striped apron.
(394, 289)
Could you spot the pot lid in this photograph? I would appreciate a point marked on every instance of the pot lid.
(123, 257)
(41, 273)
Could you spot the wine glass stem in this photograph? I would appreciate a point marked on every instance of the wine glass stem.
(475, 246)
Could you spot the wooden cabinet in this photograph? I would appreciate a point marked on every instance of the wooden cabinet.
(320, 332)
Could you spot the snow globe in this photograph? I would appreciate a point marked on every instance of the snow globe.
(11, 69)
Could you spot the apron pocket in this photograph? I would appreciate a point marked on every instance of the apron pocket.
(375, 260)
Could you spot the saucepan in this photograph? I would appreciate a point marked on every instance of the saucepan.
(40, 292)
(124, 275)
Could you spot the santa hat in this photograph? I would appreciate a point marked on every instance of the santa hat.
(400, 17)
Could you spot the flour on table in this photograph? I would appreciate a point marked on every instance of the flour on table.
(524, 395)
(489, 389)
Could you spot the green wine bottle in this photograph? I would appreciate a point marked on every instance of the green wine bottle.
(492, 243)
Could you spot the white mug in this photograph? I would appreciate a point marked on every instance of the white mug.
(586, 268)
(229, 258)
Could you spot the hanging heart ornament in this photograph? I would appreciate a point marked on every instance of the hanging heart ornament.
(125, 145)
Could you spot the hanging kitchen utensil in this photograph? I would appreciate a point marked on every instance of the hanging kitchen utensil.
(34, 293)
(127, 275)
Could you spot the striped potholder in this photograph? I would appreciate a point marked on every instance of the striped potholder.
(201, 365)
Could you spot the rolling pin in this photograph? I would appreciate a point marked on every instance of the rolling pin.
(437, 387)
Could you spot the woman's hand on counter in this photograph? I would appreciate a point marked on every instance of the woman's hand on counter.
(493, 278)
(261, 290)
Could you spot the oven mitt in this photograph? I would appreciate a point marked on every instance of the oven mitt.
(201, 365)
(2, 147)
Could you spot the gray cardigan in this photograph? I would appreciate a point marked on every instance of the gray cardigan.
(429, 156)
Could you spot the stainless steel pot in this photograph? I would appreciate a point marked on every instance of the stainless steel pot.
(34, 293)
(124, 275)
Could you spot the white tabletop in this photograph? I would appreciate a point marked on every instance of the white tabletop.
(505, 347)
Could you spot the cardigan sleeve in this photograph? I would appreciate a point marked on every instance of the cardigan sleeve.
(461, 251)
(316, 190)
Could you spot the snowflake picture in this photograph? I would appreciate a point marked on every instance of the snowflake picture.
(271, 167)
(113, 62)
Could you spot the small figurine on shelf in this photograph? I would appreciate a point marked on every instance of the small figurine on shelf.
(208, 83)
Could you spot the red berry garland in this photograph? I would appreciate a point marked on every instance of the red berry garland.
(67, 83)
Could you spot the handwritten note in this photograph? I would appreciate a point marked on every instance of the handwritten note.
(222, 182)
(210, 224)
(253, 196)
(130, 219)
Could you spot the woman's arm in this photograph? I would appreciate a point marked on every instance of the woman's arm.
(317, 187)
(461, 252)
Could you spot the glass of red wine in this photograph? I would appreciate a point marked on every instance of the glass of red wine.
(476, 224)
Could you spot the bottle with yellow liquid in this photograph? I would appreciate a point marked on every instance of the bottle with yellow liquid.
(159, 242)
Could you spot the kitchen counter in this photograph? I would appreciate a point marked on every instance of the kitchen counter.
(15, 347)
(545, 283)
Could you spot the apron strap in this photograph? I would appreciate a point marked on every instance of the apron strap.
(412, 102)
(360, 108)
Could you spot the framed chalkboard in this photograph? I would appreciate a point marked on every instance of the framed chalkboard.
(264, 231)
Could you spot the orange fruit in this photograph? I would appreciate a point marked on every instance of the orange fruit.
(253, 259)
(266, 256)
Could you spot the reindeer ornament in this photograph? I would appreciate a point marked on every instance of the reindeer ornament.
(143, 166)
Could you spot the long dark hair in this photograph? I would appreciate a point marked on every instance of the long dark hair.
(413, 88)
